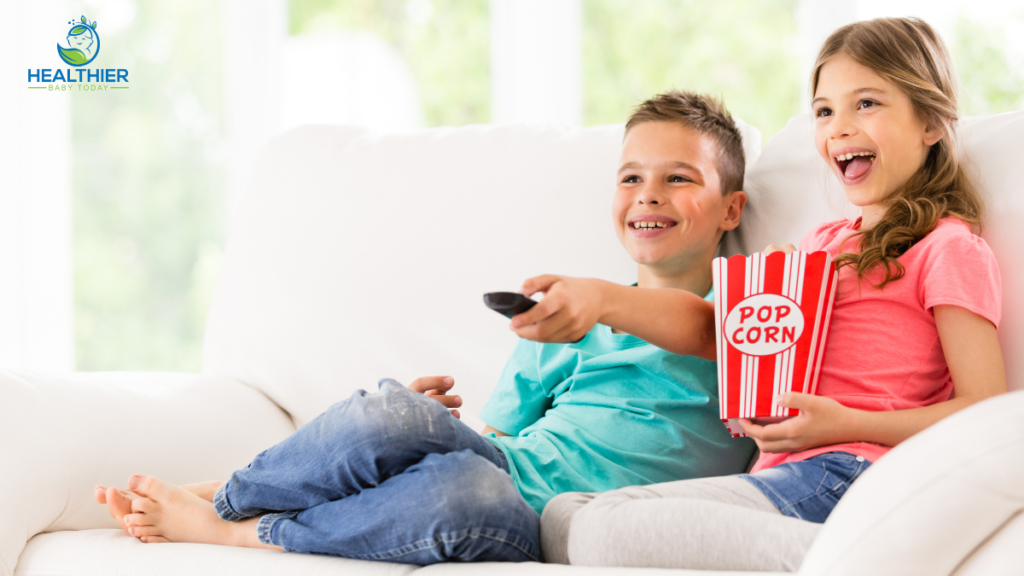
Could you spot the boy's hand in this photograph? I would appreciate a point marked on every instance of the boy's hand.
(570, 308)
(436, 388)
(822, 421)
(785, 249)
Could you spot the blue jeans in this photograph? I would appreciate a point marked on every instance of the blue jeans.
(810, 489)
(391, 476)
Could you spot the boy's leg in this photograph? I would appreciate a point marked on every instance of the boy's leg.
(356, 444)
(720, 523)
(455, 506)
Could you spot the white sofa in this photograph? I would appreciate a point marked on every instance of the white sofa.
(356, 256)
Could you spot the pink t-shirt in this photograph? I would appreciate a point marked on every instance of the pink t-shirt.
(883, 350)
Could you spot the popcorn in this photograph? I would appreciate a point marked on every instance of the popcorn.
(772, 315)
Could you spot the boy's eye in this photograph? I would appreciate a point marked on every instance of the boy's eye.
(822, 112)
(632, 179)
(866, 104)
(678, 178)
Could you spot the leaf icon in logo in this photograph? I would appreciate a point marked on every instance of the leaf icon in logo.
(83, 44)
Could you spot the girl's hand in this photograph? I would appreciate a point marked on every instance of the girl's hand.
(570, 308)
(822, 421)
(436, 387)
(785, 249)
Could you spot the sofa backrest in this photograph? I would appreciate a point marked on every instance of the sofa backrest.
(354, 257)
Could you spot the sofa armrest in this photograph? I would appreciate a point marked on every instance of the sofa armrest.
(924, 507)
(63, 433)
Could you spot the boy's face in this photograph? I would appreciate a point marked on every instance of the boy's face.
(668, 207)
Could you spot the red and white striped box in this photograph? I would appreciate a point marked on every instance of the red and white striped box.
(772, 316)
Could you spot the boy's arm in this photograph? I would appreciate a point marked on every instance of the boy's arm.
(520, 398)
(674, 320)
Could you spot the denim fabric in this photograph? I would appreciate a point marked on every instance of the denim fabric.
(810, 489)
(391, 476)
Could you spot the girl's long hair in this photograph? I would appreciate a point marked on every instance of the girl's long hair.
(908, 53)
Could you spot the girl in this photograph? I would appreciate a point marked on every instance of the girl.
(885, 105)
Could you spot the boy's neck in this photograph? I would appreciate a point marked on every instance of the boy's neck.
(695, 279)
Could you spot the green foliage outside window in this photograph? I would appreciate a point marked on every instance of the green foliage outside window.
(148, 192)
(445, 43)
(742, 51)
(148, 180)
(992, 80)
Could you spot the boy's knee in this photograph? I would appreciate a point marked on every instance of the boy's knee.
(474, 487)
(392, 415)
(555, 522)
(477, 505)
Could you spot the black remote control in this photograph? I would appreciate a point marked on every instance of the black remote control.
(508, 303)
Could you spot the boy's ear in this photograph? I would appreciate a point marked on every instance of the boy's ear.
(734, 203)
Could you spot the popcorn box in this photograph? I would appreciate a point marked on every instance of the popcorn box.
(772, 316)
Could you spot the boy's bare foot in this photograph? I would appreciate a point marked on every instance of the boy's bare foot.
(119, 502)
(167, 513)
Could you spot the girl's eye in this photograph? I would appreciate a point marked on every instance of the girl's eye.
(866, 104)
(677, 178)
(822, 112)
(632, 179)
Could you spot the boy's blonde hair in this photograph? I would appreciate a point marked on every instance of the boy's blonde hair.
(908, 53)
(708, 117)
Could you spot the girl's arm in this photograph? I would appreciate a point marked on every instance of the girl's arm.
(975, 363)
(674, 320)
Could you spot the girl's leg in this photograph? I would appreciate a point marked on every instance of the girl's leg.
(720, 523)
(356, 444)
(455, 506)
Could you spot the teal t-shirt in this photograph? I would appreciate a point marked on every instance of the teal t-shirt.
(608, 411)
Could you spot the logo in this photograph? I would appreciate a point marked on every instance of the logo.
(83, 47)
(764, 325)
(83, 42)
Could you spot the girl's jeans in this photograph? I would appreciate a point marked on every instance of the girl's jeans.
(391, 476)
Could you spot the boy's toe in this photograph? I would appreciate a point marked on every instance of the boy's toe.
(134, 520)
(100, 493)
(146, 531)
(143, 505)
(118, 504)
(153, 539)
(150, 487)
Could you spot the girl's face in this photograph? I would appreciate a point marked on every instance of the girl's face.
(868, 134)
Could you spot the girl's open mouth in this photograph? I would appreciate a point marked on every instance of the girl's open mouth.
(854, 165)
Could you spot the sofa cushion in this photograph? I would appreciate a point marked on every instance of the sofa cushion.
(925, 506)
(110, 552)
(355, 257)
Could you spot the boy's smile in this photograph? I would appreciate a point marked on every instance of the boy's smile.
(668, 205)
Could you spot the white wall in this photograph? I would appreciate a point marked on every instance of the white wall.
(36, 294)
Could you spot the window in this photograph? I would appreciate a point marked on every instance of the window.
(156, 169)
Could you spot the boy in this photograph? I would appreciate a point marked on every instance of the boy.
(393, 476)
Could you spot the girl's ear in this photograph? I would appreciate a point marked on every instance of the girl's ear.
(936, 132)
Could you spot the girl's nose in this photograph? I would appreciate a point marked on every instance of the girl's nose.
(841, 126)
